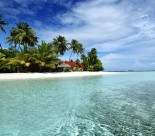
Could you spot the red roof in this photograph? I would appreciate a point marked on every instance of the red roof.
(74, 64)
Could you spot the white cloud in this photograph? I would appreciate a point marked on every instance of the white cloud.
(124, 30)
(96, 22)
(136, 56)
(92, 22)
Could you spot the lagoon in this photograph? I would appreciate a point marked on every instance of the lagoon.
(102, 105)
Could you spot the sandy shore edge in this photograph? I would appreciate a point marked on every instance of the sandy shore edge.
(52, 75)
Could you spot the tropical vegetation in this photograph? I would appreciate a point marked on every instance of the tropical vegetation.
(91, 61)
(26, 54)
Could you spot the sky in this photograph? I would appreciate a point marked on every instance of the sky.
(122, 31)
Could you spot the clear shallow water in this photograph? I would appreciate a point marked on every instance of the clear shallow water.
(120, 105)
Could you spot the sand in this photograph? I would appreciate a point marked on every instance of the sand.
(5, 76)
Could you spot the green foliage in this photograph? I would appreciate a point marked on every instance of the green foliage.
(45, 57)
(4, 67)
(2, 55)
(66, 69)
(77, 69)
(92, 56)
(60, 45)
(77, 61)
(80, 50)
(10, 52)
(91, 68)
(76, 47)
(85, 62)
(91, 62)
(80, 69)
(74, 69)
(23, 34)
(38, 59)
(98, 66)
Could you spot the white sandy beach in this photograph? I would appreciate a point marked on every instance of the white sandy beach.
(4, 76)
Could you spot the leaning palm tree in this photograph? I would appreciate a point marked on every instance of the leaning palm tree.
(24, 35)
(2, 23)
(60, 45)
(73, 46)
(80, 49)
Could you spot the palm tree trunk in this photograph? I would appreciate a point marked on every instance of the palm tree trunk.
(70, 55)
(77, 55)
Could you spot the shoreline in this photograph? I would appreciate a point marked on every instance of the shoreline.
(18, 76)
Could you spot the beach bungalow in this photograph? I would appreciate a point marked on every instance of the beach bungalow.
(72, 65)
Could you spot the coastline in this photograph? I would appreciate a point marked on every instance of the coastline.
(18, 76)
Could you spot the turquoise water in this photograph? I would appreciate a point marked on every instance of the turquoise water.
(118, 105)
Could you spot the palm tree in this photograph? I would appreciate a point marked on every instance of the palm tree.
(80, 49)
(40, 59)
(73, 46)
(84, 59)
(45, 57)
(2, 23)
(76, 47)
(13, 39)
(60, 45)
(92, 56)
(22, 35)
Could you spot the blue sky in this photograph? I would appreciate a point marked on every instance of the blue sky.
(123, 31)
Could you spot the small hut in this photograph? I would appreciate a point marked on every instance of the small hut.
(71, 65)
(64, 66)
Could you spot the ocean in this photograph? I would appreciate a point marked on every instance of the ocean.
(106, 105)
